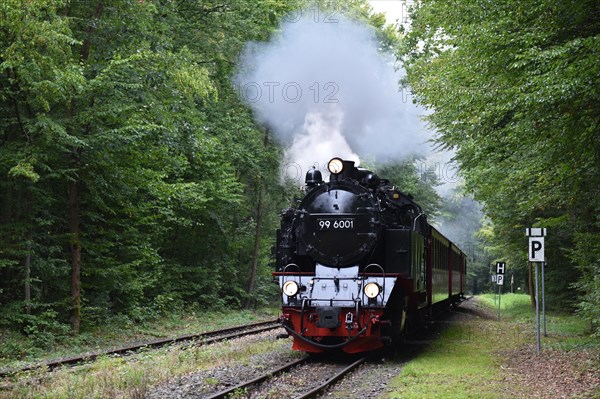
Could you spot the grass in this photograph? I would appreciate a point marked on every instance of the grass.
(465, 362)
(18, 349)
(133, 376)
(460, 364)
(565, 331)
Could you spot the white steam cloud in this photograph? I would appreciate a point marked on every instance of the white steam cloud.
(324, 88)
(318, 140)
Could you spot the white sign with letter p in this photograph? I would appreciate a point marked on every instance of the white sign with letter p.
(536, 249)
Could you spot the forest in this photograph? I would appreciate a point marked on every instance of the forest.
(135, 181)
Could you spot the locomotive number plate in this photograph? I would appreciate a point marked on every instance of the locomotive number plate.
(335, 224)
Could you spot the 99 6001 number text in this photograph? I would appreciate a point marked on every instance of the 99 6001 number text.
(335, 224)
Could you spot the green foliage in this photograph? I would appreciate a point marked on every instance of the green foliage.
(589, 284)
(514, 89)
(116, 331)
(41, 327)
(132, 103)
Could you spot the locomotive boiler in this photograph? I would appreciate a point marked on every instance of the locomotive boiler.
(358, 264)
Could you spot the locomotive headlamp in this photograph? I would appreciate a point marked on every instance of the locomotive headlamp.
(335, 166)
(372, 290)
(290, 288)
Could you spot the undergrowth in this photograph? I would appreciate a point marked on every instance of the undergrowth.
(31, 346)
(135, 376)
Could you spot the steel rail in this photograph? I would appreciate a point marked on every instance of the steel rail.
(203, 338)
(316, 391)
(310, 394)
(280, 370)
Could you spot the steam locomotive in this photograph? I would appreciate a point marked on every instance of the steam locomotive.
(358, 264)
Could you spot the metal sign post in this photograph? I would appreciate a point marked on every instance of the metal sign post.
(537, 311)
(499, 297)
(544, 298)
(494, 280)
(536, 254)
(500, 270)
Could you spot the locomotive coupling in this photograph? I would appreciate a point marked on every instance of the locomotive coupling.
(285, 318)
(349, 321)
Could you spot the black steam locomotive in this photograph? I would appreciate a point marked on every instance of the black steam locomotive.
(358, 264)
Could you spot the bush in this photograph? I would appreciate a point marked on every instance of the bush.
(41, 325)
(586, 254)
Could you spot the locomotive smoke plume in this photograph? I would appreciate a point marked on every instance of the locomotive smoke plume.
(324, 88)
(318, 140)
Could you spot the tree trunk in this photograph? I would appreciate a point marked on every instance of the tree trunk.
(27, 262)
(259, 218)
(531, 289)
(75, 317)
(256, 251)
(75, 243)
(28, 274)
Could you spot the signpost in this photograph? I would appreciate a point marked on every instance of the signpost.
(500, 270)
(544, 298)
(536, 254)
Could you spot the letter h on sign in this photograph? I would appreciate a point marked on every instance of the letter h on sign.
(500, 267)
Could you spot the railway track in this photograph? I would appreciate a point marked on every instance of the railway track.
(205, 338)
(294, 372)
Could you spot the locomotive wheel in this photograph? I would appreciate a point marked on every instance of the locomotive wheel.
(396, 331)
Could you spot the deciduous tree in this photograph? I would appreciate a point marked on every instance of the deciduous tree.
(513, 87)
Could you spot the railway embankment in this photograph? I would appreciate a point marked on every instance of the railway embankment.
(477, 356)
(467, 353)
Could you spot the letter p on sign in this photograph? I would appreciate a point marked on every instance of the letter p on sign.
(536, 249)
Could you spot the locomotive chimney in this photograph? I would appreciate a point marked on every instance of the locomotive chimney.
(313, 178)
